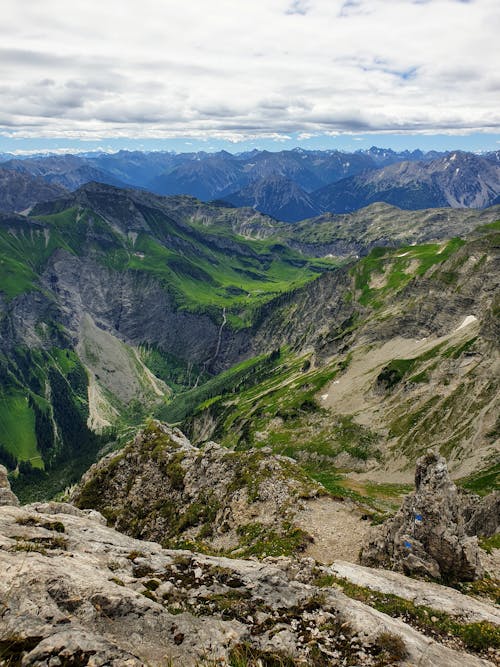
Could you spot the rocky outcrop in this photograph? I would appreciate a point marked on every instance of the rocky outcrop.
(6, 495)
(418, 592)
(482, 515)
(163, 488)
(75, 592)
(427, 536)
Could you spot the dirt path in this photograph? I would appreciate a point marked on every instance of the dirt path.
(337, 528)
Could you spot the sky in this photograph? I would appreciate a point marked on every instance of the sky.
(234, 74)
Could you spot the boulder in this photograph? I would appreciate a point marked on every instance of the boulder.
(428, 534)
(161, 487)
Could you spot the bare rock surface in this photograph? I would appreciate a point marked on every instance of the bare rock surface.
(6, 495)
(482, 515)
(428, 594)
(427, 536)
(74, 591)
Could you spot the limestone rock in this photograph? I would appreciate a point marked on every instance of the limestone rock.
(74, 592)
(427, 536)
(161, 487)
(420, 593)
(482, 515)
(6, 495)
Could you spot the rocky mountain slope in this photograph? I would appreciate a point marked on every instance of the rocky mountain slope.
(121, 304)
(386, 358)
(20, 191)
(160, 487)
(434, 533)
(288, 185)
(456, 180)
(111, 298)
(67, 171)
(379, 225)
(125, 601)
(277, 196)
(215, 175)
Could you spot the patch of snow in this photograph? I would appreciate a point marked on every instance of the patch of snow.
(468, 320)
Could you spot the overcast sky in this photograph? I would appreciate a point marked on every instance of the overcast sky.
(246, 71)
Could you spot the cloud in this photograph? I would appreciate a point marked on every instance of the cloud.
(158, 69)
(298, 7)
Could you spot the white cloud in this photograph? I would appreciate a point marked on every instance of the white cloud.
(234, 70)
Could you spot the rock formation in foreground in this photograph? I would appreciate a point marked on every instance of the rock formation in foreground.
(74, 592)
(6, 495)
(160, 487)
(433, 533)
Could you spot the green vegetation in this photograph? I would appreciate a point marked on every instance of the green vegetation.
(203, 268)
(17, 428)
(484, 481)
(236, 273)
(48, 442)
(175, 372)
(490, 543)
(486, 588)
(56, 526)
(231, 381)
(476, 637)
(260, 540)
(388, 270)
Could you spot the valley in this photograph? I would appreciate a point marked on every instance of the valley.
(243, 402)
(250, 334)
(119, 305)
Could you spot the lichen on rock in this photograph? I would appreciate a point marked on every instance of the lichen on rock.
(216, 500)
(428, 534)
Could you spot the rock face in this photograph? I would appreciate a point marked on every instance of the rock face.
(482, 515)
(6, 495)
(427, 536)
(161, 487)
(74, 592)
(19, 191)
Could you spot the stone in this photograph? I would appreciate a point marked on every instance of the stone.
(83, 605)
(161, 487)
(6, 495)
(427, 536)
(482, 515)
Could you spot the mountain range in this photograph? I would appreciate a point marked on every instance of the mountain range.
(287, 185)
(117, 303)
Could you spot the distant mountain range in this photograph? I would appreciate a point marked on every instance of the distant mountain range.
(19, 191)
(456, 180)
(288, 185)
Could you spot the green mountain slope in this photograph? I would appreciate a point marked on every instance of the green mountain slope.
(412, 362)
(109, 301)
(115, 305)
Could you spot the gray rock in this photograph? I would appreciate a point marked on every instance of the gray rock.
(427, 536)
(6, 495)
(160, 487)
(93, 600)
(482, 515)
